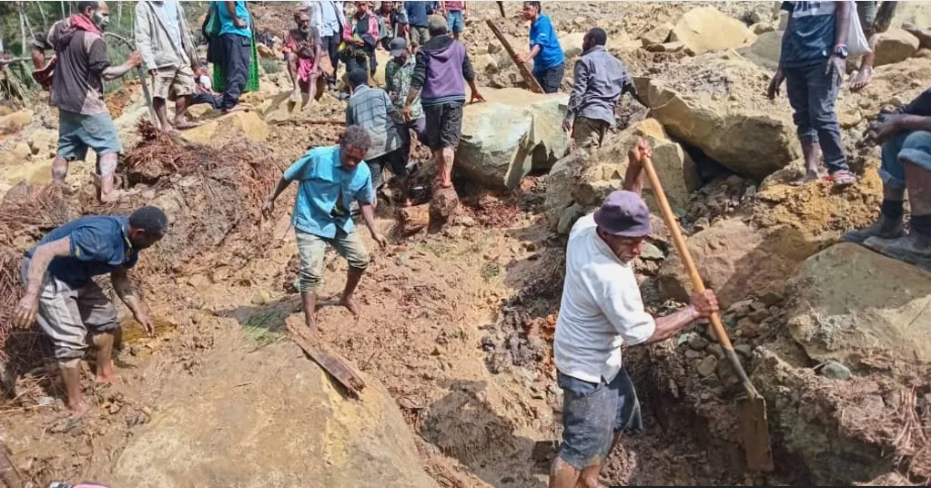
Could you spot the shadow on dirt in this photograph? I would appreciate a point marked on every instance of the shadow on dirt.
(463, 426)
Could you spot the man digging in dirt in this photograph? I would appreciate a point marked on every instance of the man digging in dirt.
(602, 310)
(906, 163)
(60, 290)
(812, 62)
(442, 65)
(549, 62)
(303, 52)
(330, 179)
(600, 81)
(170, 57)
(81, 66)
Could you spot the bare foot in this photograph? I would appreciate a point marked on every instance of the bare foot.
(184, 124)
(242, 107)
(172, 132)
(864, 77)
(111, 197)
(107, 377)
(312, 326)
(78, 408)
(808, 178)
(350, 304)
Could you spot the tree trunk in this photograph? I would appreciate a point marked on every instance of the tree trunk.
(413, 219)
(119, 14)
(44, 18)
(22, 27)
(62, 4)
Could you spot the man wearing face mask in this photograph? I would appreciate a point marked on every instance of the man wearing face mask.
(601, 311)
(69, 305)
(81, 66)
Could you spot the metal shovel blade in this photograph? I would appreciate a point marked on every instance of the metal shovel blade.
(755, 432)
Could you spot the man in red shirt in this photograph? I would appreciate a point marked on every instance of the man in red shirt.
(455, 13)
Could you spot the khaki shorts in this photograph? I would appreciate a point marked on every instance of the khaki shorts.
(67, 314)
(312, 249)
(172, 82)
(589, 133)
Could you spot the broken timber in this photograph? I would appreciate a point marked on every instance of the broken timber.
(413, 219)
(330, 362)
(310, 122)
(524, 72)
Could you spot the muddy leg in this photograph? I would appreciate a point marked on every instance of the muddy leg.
(810, 153)
(352, 281)
(444, 166)
(161, 111)
(71, 375)
(562, 475)
(181, 105)
(59, 169)
(309, 300)
(107, 165)
(104, 343)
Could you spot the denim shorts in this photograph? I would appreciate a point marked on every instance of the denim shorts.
(454, 21)
(78, 132)
(592, 414)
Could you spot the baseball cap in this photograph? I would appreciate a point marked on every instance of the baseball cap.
(624, 214)
(397, 46)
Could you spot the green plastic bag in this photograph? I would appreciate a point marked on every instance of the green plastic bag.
(213, 22)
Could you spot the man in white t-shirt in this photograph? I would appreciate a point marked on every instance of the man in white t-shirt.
(602, 310)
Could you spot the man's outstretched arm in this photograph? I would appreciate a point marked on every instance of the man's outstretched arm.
(127, 293)
(38, 265)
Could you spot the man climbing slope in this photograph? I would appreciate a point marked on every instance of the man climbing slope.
(330, 179)
(601, 311)
(60, 291)
(81, 66)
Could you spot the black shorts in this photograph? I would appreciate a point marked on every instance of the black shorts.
(444, 125)
(550, 79)
(394, 161)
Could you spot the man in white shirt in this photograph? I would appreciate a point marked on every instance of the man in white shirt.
(602, 310)
(329, 18)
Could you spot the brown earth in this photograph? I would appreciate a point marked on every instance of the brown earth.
(456, 325)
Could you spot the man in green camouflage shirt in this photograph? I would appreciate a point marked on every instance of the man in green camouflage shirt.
(398, 74)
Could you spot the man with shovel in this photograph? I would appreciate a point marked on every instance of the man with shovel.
(602, 310)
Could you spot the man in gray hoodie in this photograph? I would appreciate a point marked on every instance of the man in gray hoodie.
(442, 65)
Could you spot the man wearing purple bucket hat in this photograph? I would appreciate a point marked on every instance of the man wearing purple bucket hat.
(602, 310)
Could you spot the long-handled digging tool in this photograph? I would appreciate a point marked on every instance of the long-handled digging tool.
(754, 428)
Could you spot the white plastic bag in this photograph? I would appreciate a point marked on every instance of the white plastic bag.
(857, 43)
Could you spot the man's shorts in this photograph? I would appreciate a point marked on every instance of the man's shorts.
(171, 82)
(312, 249)
(454, 21)
(394, 161)
(77, 133)
(866, 11)
(444, 125)
(550, 79)
(593, 414)
(66, 314)
(419, 35)
(589, 133)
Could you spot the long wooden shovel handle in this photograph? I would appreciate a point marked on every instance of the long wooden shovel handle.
(697, 282)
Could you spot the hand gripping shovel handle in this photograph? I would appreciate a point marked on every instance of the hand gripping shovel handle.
(140, 74)
(697, 282)
(754, 425)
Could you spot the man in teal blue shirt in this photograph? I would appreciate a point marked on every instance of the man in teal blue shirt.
(330, 179)
(235, 50)
(549, 63)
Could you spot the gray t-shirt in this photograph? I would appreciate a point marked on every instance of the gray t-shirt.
(82, 59)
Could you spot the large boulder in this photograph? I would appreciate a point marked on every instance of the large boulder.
(217, 132)
(851, 304)
(249, 432)
(572, 44)
(730, 120)
(658, 35)
(707, 29)
(893, 46)
(513, 132)
(737, 261)
(766, 50)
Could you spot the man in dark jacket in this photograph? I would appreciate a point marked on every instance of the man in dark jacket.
(442, 65)
(905, 136)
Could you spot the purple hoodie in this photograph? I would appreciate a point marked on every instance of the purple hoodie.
(442, 69)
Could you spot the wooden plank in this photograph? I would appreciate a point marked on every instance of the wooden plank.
(9, 476)
(305, 121)
(524, 72)
(330, 362)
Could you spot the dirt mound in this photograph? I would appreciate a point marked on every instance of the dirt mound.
(270, 418)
